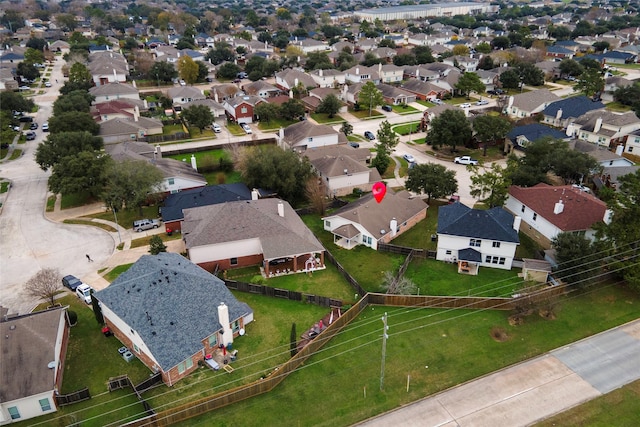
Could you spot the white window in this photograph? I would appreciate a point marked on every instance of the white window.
(45, 405)
(502, 260)
(189, 363)
(327, 223)
(136, 348)
(172, 181)
(629, 149)
(243, 110)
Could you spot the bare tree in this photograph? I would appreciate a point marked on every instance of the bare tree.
(397, 285)
(315, 194)
(44, 284)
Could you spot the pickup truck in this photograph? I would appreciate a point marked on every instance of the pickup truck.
(465, 160)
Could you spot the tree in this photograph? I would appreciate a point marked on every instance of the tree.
(203, 71)
(27, 71)
(450, 128)
(470, 82)
(490, 129)
(622, 233)
(80, 173)
(590, 82)
(130, 184)
(371, 59)
(346, 128)
(601, 46)
(65, 144)
(73, 121)
(69, 87)
(576, 257)
(33, 56)
(67, 21)
(501, 42)
(423, 55)
(292, 109)
(188, 69)
(279, 170)
(570, 67)
(370, 97)
(484, 48)
(315, 192)
(79, 100)
(510, 79)
(79, 73)
(530, 74)
(387, 43)
(12, 101)
(590, 63)
(163, 71)
(387, 138)
(627, 95)
(404, 59)
(486, 63)
(318, 61)
(266, 111)
(434, 180)
(460, 49)
(330, 105)
(492, 186)
(397, 285)
(156, 245)
(199, 116)
(45, 284)
(228, 70)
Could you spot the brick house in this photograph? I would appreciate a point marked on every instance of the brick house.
(240, 109)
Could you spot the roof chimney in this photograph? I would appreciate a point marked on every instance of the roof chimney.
(608, 216)
(158, 151)
(281, 209)
(598, 125)
(393, 227)
(136, 113)
(320, 72)
(559, 114)
(254, 194)
(194, 164)
(516, 223)
(223, 319)
(558, 207)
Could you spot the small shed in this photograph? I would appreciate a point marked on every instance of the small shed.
(536, 270)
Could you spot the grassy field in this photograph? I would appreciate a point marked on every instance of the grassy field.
(437, 349)
(406, 128)
(75, 200)
(364, 114)
(404, 109)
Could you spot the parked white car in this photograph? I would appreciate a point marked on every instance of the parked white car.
(216, 128)
(84, 293)
(246, 128)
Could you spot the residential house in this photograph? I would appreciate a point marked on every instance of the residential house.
(341, 170)
(390, 73)
(550, 210)
(305, 135)
(530, 103)
(362, 74)
(265, 232)
(424, 90)
(33, 349)
(475, 238)
(120, 129)
(418, 72)
(172, 210)
(317, 95)
(118, 108)
(611, 84)
(59, 46)
(262, 89)
(7, 82)
(488, 78)
(205, 40)
(561, 113)
(464, 63)
(551, 69)
(240, 109)
(366, 222)
(116, 90)
(177, 175)
(11, 57)
(311, 45)
(290, 78)
(613, 57)
(632, 144)
(521, 136)
(217, 109)
(560, 52)
(602, 127)
(328, 78)
(605, 157)
(223, 92)
(108, 67)
(184, 94)
(396, 96)
(172, 314)
(385, 53)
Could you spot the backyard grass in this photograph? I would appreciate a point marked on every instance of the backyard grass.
(618, 408)
(145, 241)
(324, 118)
(74, 200)
(202, 156)
(527, 248)
(327, 283)
(419, 236)
(618, 107)
(425, 103)
(437, 349)
(172, 129)
(218, 177)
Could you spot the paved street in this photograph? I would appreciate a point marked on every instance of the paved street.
(531, 391)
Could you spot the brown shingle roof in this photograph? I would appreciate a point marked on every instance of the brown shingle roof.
(581, 210)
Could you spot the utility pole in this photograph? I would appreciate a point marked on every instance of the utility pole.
(384, 349)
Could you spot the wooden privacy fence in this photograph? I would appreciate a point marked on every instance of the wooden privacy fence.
(282, 293)
(257, 387)
(76, 396)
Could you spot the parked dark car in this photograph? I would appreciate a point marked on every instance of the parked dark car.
(25, 119)
(71, 282)
(369, 135)
(30, 136)
(33, 126)
(354, 144)
(387, 108)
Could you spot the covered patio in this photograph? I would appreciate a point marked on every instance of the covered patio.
(469, 261)
(293, 264)
(346, 236)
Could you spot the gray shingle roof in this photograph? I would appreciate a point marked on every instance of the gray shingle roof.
(305, 129)
(116, 88)
(457, 219)
(171, 304)
(233, 221)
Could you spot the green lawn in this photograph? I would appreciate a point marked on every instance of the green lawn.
(364, 114)
(116, 271)
(324, 118)
(618, 107)
(437, 349)
(145, 241)
(172, 129)
(273, 124)
(406, 128)
(235, 129)
(419, 236)
(4, 186)
(17, 153)
(618, 408)
(51, 202)
(74, 200)
(127, 216)
(90, 223)
(404, 109)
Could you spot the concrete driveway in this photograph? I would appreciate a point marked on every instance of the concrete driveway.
(534, 390)
(30, 241)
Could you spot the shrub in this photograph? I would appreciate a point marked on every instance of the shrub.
(73, 317)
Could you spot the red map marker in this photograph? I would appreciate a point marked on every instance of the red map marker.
(379, 190)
